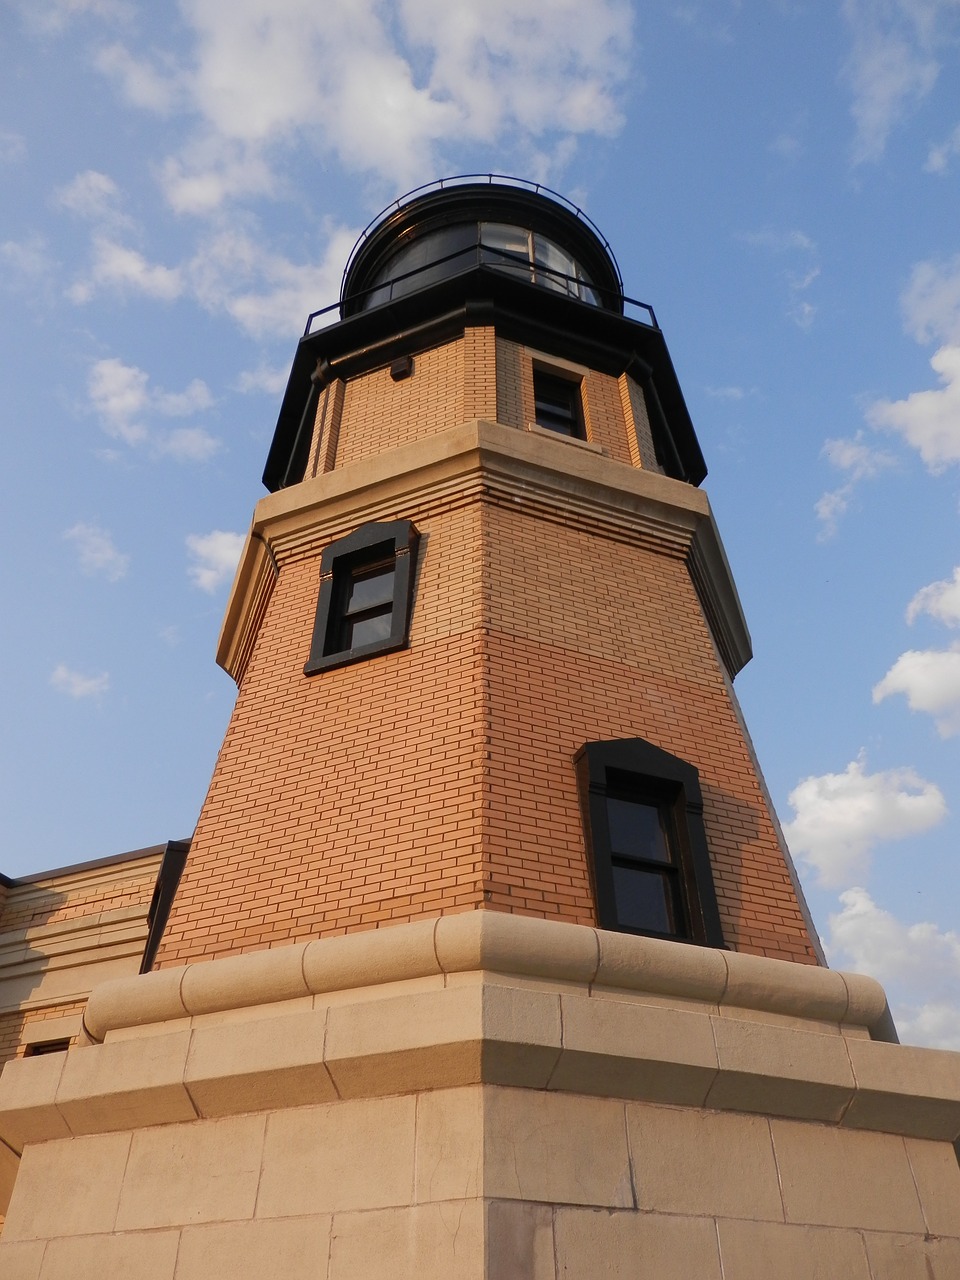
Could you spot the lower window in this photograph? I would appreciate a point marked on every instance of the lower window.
(366, 591)
(643, 818)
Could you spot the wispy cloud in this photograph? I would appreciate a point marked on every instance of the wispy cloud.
(929, 679)
(13, 147)
(271, 380)
(124, 400)
(840, 818)
(97, 552)
(891, 67)
(800, 251)
(77, 685)
(214, 558)
(939, 156)
(859, 461)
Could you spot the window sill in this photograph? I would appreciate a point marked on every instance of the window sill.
(590, 445)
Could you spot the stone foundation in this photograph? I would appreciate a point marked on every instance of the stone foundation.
(485, 1095)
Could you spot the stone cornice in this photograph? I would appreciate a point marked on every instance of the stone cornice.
(486, 459)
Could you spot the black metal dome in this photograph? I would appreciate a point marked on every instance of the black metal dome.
(455, 225)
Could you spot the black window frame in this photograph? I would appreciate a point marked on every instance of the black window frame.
(548, 380)
(362, 551)
(634, 769)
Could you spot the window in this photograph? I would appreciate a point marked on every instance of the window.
(643, 817)
(366, 590)
(557, 404)
(40, 1047)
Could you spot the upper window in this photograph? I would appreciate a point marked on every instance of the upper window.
(366, 590)
(557, 403)
(643, 815)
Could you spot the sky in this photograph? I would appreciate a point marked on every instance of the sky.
(181, 184)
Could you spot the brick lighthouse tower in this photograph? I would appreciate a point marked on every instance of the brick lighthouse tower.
(487, 958)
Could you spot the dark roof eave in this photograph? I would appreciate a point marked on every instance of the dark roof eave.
(560, 326)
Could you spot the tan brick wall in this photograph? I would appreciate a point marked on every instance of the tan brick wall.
(440, 778)
(352, 798)
(48, 904)
(639, 434)
(12, 1026)
(592, 639)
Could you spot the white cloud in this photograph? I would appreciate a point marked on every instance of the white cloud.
(92, 195)
(919, 964)
(97, 551)
(77, 685)
(26, 262)
(726, 393)
(117, 267)
(931, 301)
(841, 817)
(141, 84)
(928, 420)
(122, 397)
(941, 600)
(891, 68)
(861, 462)
(52, 16)
(188, 444)
(930, 681)
(272, 381)
(215, 556)
(401, 80)
(12, 147)
(939, 157)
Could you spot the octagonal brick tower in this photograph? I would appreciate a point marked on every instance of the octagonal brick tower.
(483, 963)
(493, 467)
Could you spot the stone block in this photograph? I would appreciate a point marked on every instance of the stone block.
(521, 1035)
(449, 1156)
(504, 943)
(903, 1089)
(234, 982)
(906, 1257)
(140, 1253)
(763, 1250)
(778, 1071)
(21, 1260)
(133, 1002)
(937, 1177)
(626, 1245)
(291, 1248)
(87, 1174)
(429, 1040)
(659, 967)
(519, 1240)
(339, 1157)
(803, 991)
(259, 1066)
(702, 1162)
(429, 1242)
(624, 1049)
(371, 958)
(126, 1085)
(844, 1178)
(206, 1171)
(555, 1147)
(28, 1110)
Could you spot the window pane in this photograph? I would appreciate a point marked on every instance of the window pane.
(558, 264)
(636, 831)
(644, 900)
(556, 403)
(367, 629)
(370, 587)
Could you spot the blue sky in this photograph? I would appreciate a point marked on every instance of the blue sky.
(180, 184)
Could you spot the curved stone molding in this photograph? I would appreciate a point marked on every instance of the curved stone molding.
(498, 943)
